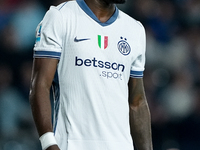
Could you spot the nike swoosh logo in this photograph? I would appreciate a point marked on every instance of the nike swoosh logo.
(79, 40)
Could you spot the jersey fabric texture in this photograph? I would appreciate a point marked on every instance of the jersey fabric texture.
(96, 61)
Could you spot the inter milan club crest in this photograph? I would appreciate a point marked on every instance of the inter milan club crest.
(102, 41)
(123, 47)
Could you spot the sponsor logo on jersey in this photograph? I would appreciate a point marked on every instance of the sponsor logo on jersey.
(102, 42)
(79, 40)
(38, 36)
(110, 69)
(123, 46)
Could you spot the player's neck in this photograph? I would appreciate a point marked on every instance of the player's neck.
(101, 9)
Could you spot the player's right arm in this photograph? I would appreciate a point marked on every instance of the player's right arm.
(42, 76)
(47, 52)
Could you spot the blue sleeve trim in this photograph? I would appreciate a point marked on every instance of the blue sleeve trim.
(136, 74)
(46, 54)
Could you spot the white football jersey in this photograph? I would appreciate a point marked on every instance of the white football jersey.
(96, 61)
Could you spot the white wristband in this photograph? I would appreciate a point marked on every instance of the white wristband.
(47, 140)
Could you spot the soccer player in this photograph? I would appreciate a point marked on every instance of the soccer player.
(91, 56)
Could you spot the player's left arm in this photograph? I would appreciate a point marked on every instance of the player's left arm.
(140, 121)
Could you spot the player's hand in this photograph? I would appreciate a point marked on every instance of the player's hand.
(53, 147)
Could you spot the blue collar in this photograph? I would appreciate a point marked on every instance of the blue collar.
(89, 12)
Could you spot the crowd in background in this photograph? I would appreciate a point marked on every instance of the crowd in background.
(171, 78)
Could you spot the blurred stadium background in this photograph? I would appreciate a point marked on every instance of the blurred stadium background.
(172, 75)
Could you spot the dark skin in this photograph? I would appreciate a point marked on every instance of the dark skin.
(101, 9)
(139, 115)
(42, 77)
(43, 74)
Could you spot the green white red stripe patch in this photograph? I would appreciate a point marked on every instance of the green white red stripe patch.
(103, 41)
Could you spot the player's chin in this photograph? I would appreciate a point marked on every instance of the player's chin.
(119, 1)
(115, 1)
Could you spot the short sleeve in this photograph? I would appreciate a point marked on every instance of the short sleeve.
(48, 42)
(137, 67)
